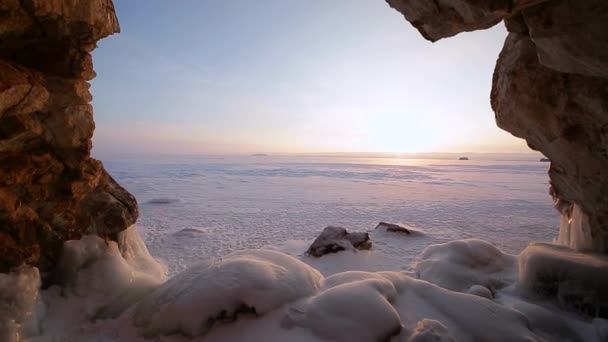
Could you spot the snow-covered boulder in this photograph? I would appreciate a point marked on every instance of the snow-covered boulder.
(350, 310)
(336, 239)
(578, 280)
(458, 265)
(251, 281)
(466, 317)
(372, 306)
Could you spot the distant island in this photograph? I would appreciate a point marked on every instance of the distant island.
(544, 160)
(463, 158)
(259, 155)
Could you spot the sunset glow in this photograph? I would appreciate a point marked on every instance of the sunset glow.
(291, 76)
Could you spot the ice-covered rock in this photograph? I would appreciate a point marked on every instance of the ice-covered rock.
(576, 279)
(458, 265)
(368, 306)
(466, 317)
(110, 281)
(350, 310)
(394, 228)
(251, 281)
(19, 299)
(336, 239)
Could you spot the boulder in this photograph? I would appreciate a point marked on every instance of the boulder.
(394, 228)
(336, 239)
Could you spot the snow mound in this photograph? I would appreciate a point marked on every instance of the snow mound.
(110, 281)
(466, 317)
(578, 280)
(251, 281)
(358, 310)
(363, 306)
(458, 265)
(19, 303)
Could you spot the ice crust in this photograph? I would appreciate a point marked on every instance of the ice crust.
(468, 291)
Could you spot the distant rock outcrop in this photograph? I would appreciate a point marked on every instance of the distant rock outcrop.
(463, 158)
(51, 190)
(336, 239)
(545, 160)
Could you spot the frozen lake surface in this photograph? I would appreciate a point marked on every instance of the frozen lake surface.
(202, 208)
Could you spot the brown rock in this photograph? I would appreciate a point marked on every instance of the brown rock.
(335, 239)
(51, 190)
(394, 228)
(441, 19)
(571, 36)
(562, 115)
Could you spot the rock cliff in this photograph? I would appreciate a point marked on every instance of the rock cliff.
(51, 190)
(550, 87)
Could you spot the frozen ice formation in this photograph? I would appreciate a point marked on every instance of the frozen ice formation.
(18, 303)
(579, 281)
(251, 281)
(458, 265)
(335, 239)
(110, 280)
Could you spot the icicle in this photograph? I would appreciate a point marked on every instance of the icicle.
(574, 230)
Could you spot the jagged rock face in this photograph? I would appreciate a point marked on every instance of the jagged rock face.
(564, 116)
(445, 18)
(550, 87)
(51, 190)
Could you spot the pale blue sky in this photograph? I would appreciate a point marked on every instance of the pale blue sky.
(241, 76)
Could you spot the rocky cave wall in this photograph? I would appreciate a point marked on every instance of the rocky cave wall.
(51, 190)
(550, 87)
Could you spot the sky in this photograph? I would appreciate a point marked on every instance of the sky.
(290, 76)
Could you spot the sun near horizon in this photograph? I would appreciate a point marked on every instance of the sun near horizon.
(329, 77)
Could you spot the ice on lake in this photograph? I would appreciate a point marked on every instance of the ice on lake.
(195, 208)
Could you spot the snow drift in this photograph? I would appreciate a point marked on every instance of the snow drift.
(460, 265)
(253, 281)
(117, 294)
